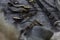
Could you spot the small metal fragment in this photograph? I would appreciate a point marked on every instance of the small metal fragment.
(33, 1)
(17, 19)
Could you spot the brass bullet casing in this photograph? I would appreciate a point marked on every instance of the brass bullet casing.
(27, 6)
(15, 10)
(23, 6)
(17, 19)
(18, 6)
(33, 1)
(37, 23)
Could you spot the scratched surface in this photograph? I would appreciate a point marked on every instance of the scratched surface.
(43, 19)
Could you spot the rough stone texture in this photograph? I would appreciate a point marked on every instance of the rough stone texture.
(39, 16)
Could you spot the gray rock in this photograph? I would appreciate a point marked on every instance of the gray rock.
(41, 33)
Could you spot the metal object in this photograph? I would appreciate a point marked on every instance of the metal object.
(18, 19)
(32, 4)
(33, 1)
